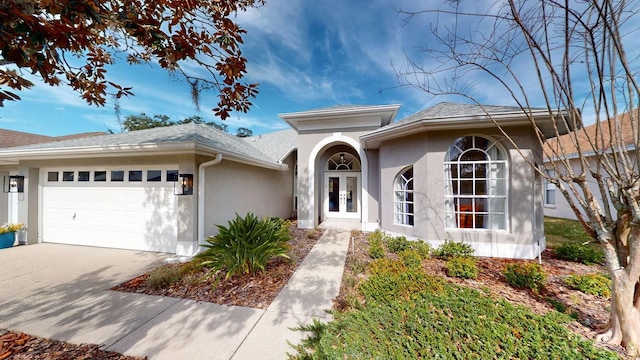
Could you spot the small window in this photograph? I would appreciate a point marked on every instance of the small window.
(172, 175)
(83, 176)
(67, 176)
(117, 175)
(99, 176)
(154, 175)
(52, 176)
(550, 189)
(135, 175)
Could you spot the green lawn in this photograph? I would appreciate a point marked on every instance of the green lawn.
(560, 231)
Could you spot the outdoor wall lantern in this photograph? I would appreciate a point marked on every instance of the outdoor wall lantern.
(13, 184)
(185, 186)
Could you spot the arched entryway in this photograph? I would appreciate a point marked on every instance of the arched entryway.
(341, 198)
(339, 177)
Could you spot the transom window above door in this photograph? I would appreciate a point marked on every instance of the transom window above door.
(343, 161)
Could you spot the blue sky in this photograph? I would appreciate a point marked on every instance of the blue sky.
(305, 54)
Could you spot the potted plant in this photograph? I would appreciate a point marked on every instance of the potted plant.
(8, 234)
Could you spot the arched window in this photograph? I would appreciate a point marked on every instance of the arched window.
(343, 161)
(403, 197)
(476, 184)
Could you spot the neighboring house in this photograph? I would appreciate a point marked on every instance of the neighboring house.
(443, 173)
(555, 204)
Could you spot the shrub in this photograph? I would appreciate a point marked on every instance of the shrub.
(451, 248)
(376, 244)
(526, 275)
(163, 277)
(578, 252)
(398, 244)
(593, 284)
(422, 248)
(462, 267)
(411, 258)
(246, 245)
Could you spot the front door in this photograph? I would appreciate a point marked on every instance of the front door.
(342, 195)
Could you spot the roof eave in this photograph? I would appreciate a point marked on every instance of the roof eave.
(386, 112)
(174, 148)
(373, 139)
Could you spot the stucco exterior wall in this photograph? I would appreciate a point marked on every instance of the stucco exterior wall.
(232, 187)
(426, 152)
(313, 151)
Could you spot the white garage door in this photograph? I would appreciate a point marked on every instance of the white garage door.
(118, 208)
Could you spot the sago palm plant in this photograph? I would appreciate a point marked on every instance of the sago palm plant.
(246, 245)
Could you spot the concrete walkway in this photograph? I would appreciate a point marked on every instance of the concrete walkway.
(83, 311)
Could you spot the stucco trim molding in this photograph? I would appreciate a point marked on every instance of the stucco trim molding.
(311, 196)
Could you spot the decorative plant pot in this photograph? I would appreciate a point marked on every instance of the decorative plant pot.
(7, 240)
(21, 236)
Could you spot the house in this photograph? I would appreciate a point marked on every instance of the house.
(443, 173)
(591, 141)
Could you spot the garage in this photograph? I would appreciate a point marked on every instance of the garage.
(124, 208)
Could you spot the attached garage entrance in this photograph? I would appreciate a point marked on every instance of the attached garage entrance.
(118, 208)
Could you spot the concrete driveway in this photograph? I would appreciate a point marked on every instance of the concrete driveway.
(62, 292)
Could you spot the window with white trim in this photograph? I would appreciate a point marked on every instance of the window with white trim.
(476, 179)
(343, 161)
(550, 189)
(403, 197)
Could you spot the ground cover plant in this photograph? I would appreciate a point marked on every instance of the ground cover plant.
(594, 284)
(407, 314)
(392, 312)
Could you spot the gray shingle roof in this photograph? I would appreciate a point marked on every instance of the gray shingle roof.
(447, 109)
(11, 138)
(277, 144)
(199, 134)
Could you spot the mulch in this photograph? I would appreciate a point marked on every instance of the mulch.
(255, 291)
(20, 346)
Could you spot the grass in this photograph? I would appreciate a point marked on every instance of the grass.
(560, 231)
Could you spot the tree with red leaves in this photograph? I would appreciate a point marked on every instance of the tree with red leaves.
(42, 35)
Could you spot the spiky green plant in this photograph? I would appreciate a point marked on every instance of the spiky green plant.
(246, 245)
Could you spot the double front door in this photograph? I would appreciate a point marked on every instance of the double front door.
(342, 195)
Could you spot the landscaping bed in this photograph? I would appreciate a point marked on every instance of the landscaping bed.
(20, 346)
(587, 314)
(554, 308)
(255, 291)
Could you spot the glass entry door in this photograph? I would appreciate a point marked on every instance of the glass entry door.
(342, 195)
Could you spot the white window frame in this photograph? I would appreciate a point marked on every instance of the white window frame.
(488, 211)
(403, 198)
(549, 187)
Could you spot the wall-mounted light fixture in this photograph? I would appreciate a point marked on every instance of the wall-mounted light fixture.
(13, 184)
(184, 185)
